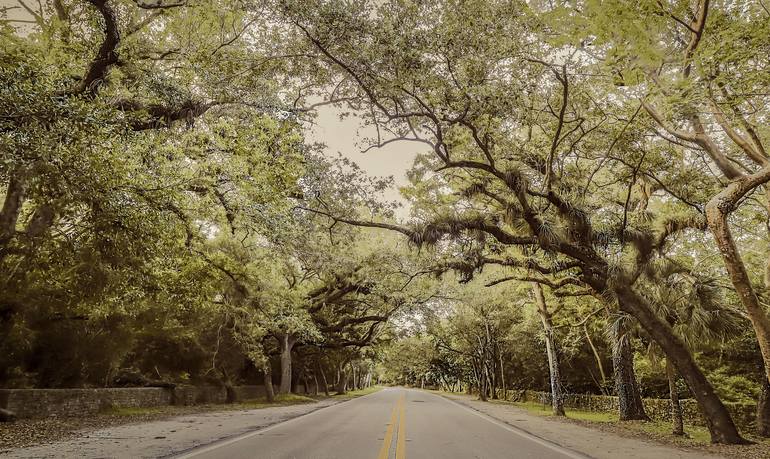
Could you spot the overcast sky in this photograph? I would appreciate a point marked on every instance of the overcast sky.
(346, 137)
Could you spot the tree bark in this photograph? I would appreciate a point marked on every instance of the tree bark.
(677, 422)
(718, 419)
(303, 378)
(269, 391)
(598, 359)
(323, 378)
(557, 397)
(9, 214)
(626, 387)
(482, 381)
(763, 411)
(285, 344)
(315, 384)
(493, 375)
(230, 395)
(502, 376)
(343, 380)
(717, 211)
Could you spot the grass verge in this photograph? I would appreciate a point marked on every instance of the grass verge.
(252, 404)
(697, 437)
(660, 430)
(358, 393)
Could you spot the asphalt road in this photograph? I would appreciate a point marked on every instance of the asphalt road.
(393, 423)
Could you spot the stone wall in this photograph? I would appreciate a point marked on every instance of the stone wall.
(35, 403)
(744, 414)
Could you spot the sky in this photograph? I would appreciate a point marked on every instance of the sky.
(347, 136)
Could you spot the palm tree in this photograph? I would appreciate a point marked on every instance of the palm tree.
(696, 308)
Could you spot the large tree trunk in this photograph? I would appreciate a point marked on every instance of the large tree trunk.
(303, 377)
(230, 395)
(285, 345)
(493, 374)
(557, 397)
(9, 214)
(717, 211)
(343, 380)
(482, 381)
(323, 378)
(763, 411)
(677, 422)
(626, 387)
(315, 384)
(718, 419)
(269, 392)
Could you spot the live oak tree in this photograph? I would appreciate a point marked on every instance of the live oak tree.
(698, 70)
(108, 166)
(157, 186)
(517, 118)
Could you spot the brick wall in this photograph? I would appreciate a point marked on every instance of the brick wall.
(35, 403)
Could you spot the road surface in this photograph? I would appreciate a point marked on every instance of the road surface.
(393, 423)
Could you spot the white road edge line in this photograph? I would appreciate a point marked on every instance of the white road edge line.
(518, 431)
(198, 450)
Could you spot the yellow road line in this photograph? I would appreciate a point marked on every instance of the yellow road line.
(401, 442)
(385, 450)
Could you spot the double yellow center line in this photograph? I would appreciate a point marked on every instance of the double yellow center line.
(398, 415)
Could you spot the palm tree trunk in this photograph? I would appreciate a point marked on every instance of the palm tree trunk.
(626, 387)
(718, 419)
(677, 422)
(763, 411)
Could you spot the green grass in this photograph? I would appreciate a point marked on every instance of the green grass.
(696, 436)
(252, 404)
(545, 410)
(360, 392)
(279, 400)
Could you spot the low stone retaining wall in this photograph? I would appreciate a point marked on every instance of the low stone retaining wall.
(35, 403)
(744, 414)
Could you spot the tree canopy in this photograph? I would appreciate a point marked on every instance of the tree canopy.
(589, 213)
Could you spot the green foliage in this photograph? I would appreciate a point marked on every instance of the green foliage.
(165, 218)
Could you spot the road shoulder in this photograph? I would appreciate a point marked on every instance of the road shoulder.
(589, 441)
(172, 436)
